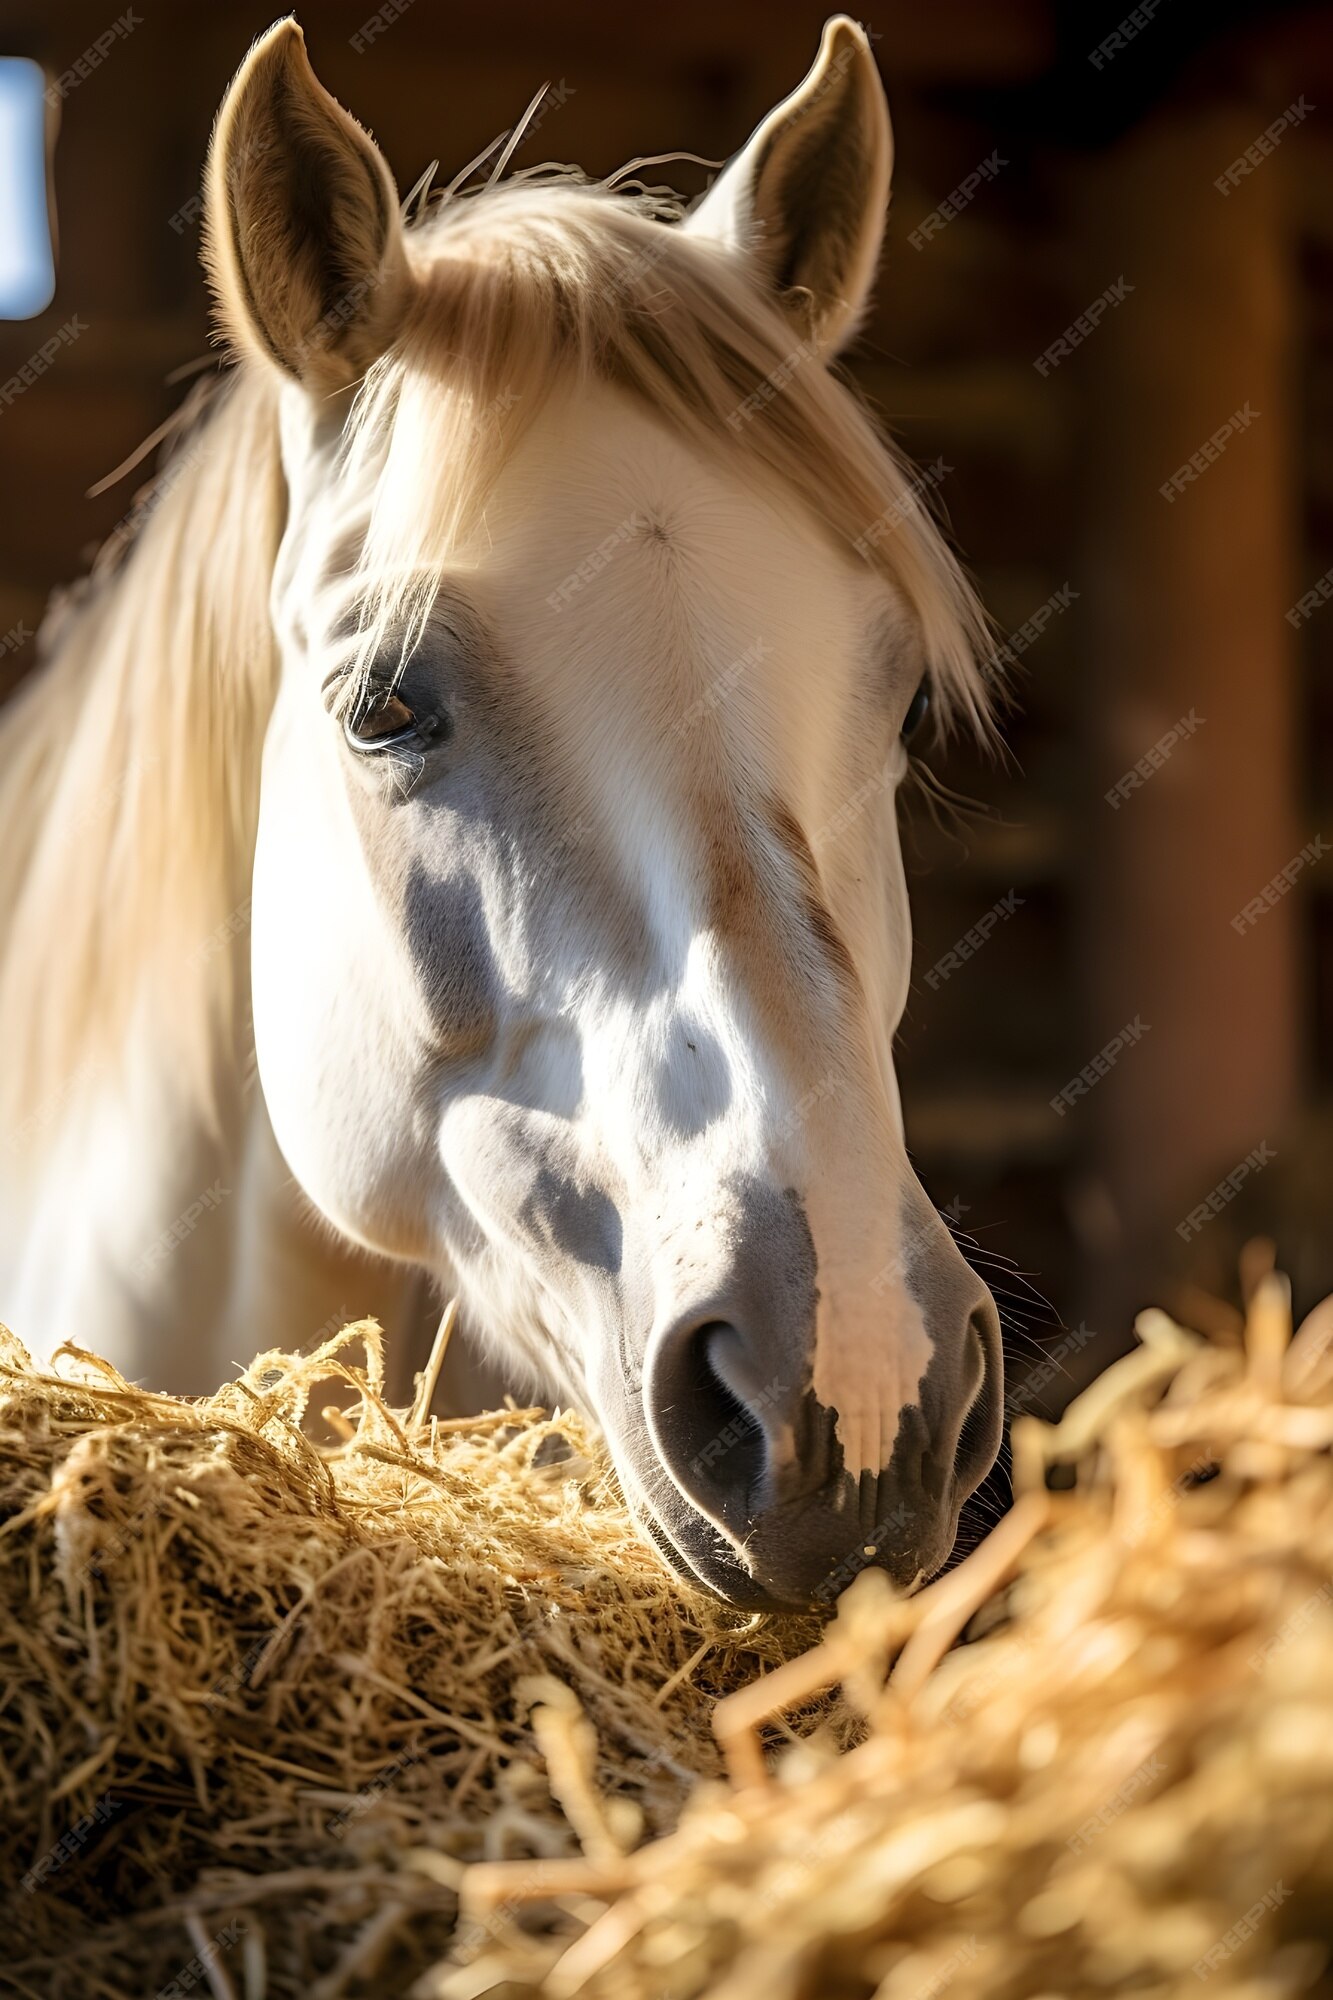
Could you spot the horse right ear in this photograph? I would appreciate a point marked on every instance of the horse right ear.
(806, 199)
(303, 238)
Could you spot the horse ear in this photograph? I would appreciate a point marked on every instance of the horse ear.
(303, 242)
(807, 198)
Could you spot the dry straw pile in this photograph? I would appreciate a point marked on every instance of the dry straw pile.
(255, 1693)
(268, 1709)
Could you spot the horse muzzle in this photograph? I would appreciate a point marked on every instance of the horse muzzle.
(739, 1473)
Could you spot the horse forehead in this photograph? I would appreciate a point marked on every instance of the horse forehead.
(604, 518)
(600, 466)
(637, 580)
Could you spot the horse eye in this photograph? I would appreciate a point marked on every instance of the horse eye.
(384, 718)
(916, 712)
(382, 714)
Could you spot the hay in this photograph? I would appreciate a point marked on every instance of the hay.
(1124, 1785)
(274, 1694)
(1125, 1788)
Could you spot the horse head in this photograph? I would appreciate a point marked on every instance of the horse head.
(580, 929)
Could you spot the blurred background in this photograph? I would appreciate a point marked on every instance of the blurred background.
(1105, 333)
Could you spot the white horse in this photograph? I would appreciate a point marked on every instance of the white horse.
(455, 850)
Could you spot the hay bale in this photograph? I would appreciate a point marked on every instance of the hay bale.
(467, 1662)
(260, 1700)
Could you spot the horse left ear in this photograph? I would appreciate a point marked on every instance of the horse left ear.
(303, 238)
(807, 198)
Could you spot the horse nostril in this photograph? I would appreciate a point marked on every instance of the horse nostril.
(730, 1359)
(982, 1425)
(708, 1401)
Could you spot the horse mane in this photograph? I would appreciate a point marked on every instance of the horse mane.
(129, 769)
(129, 762)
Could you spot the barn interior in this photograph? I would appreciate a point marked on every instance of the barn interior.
(1104, 332)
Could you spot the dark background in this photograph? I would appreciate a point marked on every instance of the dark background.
(1106, 173)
